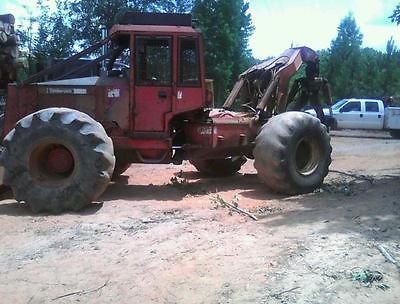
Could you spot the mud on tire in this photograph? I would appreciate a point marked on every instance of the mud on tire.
(58, 159)
(292, 153)
(219, 167)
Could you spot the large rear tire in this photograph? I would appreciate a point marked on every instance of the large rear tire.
(219, 167)
(292, 153)
(58, 159)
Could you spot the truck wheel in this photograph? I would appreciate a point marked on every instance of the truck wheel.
(58, 159)
(219, 167)
(395, 133)
(292, 153)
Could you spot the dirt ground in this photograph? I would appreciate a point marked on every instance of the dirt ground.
(161, 235)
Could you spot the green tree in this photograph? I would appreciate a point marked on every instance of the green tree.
(370, 74)
(344, 63)
(88, 16)
(395, 17)
(390, 69)
(178, 6)
(226, 26)
(54, 37)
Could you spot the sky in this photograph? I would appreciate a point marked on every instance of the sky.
(313, 23)
(282, 23)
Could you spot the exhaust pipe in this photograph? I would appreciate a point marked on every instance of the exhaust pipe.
(104, 47)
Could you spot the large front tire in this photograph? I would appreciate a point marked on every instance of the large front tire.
(219, 167)
(292, 153)
(58, 159)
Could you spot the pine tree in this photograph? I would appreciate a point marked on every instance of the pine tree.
(88, 16)
(395, 17)
(344, 64)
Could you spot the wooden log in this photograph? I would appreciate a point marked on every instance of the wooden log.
(8, 29)
(7, 18)
(22, 62)
(3, 37)
(12, 51)
(12, 40)
(4, 58)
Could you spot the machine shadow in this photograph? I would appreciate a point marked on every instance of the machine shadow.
(372, 210)
(14, 208)
(188, 183)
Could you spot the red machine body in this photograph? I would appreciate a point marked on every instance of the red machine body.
(151, 103)
(148, 118)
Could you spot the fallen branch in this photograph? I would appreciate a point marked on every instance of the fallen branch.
(356, 176)
(233, 206)
(388, 256)
(275, 295)
(240, 210)
(81, 292)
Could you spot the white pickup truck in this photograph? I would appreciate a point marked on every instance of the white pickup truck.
(367, 114)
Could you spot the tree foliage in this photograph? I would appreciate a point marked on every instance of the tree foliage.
(345, 53)
(88, 16)
(352, 70)
(395, 17)
(226, 27)
(79, 22)
(54, 38)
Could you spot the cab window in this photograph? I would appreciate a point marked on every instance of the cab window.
(153, 61)
(118, 63)
(189, 74)
(371, 106)
(352, 106)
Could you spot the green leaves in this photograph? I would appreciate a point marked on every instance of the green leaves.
(226, 26)
(344, 62)
(395, 17)
(54, 37)
(354, 71)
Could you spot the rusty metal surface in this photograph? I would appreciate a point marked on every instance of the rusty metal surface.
(281, 69)
(20, 102)
(225, 135)
(144, 18)
(60, 65)
(85, 81)
(138, 117)
(161, 29)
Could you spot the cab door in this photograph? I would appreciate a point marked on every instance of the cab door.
(189, 94)
(153, 86)
(373, 115)
(349, 115)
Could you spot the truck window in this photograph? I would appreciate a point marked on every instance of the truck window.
(371, 106)
(352, 106)
(153, 61)
(188, 62)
